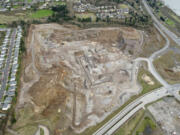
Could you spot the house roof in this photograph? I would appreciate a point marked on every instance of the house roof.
(8, 100)
(6, 106)
(12, 88)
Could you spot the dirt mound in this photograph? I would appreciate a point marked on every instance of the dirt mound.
(74, 78)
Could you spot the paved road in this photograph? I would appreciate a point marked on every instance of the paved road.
(161, 26)
(12, 132)
(112, 125)
(7, 64)
(45, 129)
(155, 55)
(146, 99)
(153, 71)
(164, 49)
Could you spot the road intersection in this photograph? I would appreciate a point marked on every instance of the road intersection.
(167, 90)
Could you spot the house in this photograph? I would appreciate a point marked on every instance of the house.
(14, 67)
(1, 58)
(11, 93)
(12, 83)
(6, 107)
(2, 55)
(13, 78)
(12, 88)
(4, 48)
(3, 52)
(13, 73)
(8, 100)
(15, 62)
(2, 115)
(3, 9)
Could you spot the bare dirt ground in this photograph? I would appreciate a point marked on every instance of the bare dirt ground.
(147, 79)
(168, 65)
(167, 114)
(74, 78)
(153, 41)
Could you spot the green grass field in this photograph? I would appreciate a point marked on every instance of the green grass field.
(170, 22)
(41, 14)
(16, 6)
(129, 126)
(123, 6)
(147, 122)
(41, 131)
(60, 3)
(176, 18)
(7, 18)
(145, 86)
(86, 15)
(165, 64)
(2, 26)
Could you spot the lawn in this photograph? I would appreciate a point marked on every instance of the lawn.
(165, 64)
(41, 14)
(146, 88)
(91, 130)
(2, 26)
(41, 131)
(130, 125)
(170, 22)
(6, 18)
(176, 18)
(2, 35)
(86, 15)
(60, 3)
(123, 6)
(16, 6)
(147, 122)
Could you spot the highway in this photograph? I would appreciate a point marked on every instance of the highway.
(146, 99)
(112, 125)
(6, 69)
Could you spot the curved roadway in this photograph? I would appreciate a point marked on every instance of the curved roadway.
(112, 125)
(161, 26)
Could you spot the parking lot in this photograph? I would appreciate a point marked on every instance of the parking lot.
(167, 114)
(9, 54)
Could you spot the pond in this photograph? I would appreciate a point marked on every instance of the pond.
(148, 130)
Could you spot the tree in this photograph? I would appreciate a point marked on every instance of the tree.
(60, 13)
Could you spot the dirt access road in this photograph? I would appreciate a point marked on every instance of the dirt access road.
(74, 78)
(60, 58)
